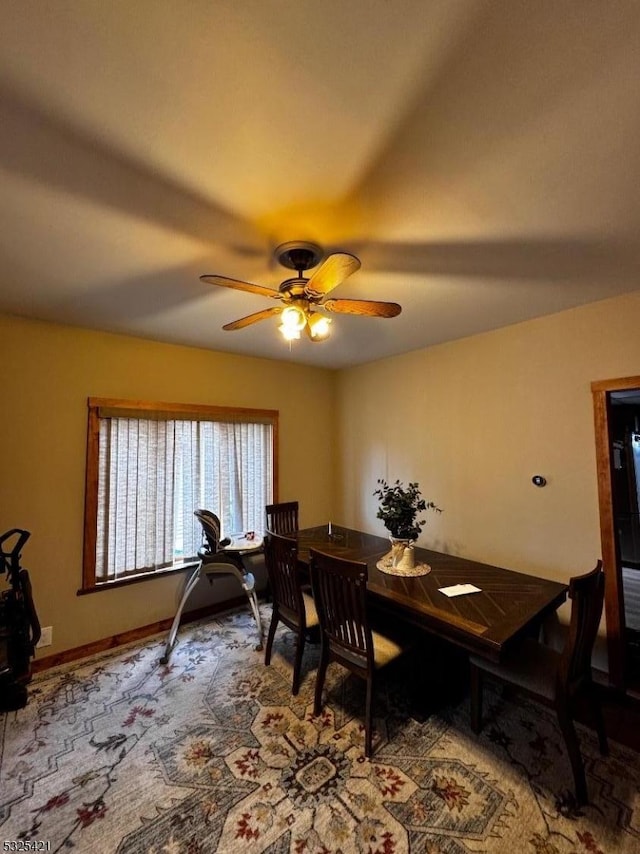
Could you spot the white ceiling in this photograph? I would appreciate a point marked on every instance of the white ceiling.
(482, 159)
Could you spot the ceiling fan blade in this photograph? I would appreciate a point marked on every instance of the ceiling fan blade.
(239, 285)
(251, 318)
(332, 272)
(372, 308)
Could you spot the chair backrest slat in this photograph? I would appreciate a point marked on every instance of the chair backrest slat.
(282, 518)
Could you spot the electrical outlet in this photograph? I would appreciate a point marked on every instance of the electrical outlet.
(46, 638)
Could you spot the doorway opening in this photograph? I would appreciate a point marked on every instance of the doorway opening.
(625, 479)
(617, 429)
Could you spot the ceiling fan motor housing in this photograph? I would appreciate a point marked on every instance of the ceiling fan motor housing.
(294, 287)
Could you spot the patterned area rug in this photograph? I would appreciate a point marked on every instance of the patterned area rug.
(120, 753)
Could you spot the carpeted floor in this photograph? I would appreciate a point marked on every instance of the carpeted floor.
(212, 753)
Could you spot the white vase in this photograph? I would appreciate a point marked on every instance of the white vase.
(402, 553)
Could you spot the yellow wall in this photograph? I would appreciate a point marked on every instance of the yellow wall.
(473, 420)
(48, 371)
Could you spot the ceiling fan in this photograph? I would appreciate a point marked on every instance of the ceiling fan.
(301, 297)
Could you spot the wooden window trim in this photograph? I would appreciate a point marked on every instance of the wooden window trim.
(136, 579)
(187, 411)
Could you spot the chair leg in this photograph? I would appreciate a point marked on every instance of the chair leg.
(475, 675)
(573, 749)
(272, 631)
(255, 608)
(368, 720)
(320, 677)
(297, 664)
(189, 586)
(598, 718)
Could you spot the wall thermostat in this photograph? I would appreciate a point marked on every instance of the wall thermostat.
(538, 480)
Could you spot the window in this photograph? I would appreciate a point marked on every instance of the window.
(150, 465)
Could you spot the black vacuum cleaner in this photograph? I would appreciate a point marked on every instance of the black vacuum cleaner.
(19, 624)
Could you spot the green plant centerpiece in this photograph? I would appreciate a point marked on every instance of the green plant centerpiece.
(399, 508)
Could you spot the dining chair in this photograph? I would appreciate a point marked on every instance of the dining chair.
(291, 604)
(340, 592)
(557, 678)
(282, 518)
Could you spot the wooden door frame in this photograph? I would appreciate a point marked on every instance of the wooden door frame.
(613, 593)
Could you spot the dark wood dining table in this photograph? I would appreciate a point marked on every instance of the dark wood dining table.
(509, 606)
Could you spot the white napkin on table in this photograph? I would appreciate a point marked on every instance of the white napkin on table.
(459, 589)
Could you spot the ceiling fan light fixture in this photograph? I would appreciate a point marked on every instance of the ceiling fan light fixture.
(293, 319)
(319, 326)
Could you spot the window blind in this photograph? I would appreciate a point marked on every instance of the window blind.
(153, 473)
